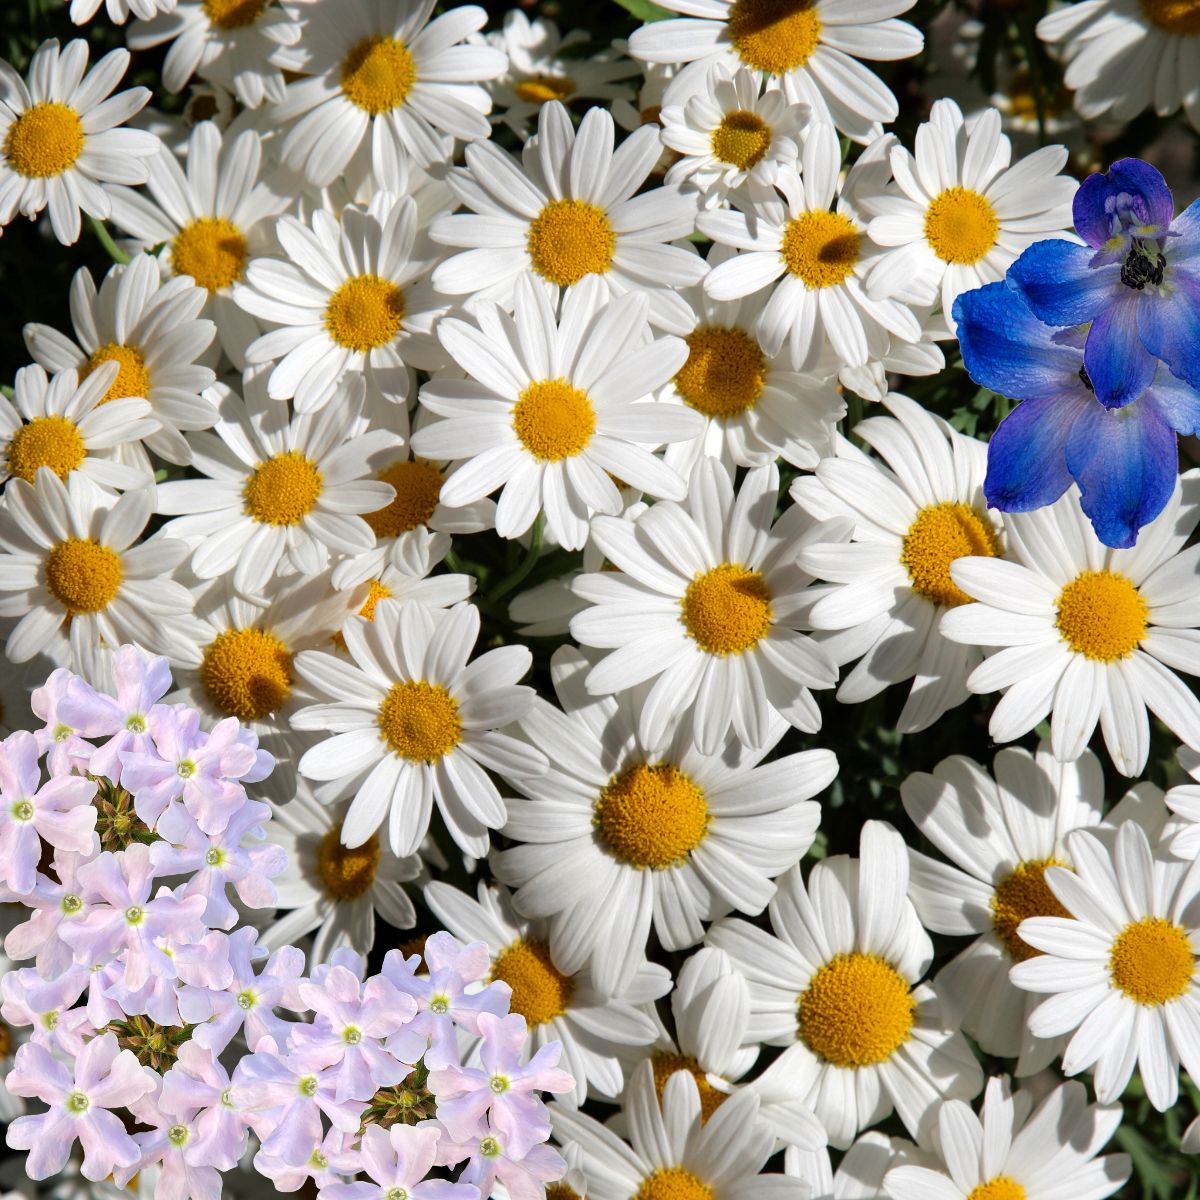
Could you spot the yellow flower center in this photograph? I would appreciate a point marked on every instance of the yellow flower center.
(665, 1064)
(540, 991)
(212, 251)
(233, 14)
(742, 138)
(651, 816)
(1000, 1188)
(1022, 894)
(365, 313)
(569, 239)
(554, 420)
(1152, 961)
(724, 373)
(1101, 615)
(247, 673)
(821, 248)
(82, 575)
(418, 485)
(961, 226)
(283, 490)
(775, 35)
(419, 721)
(347, 873)
(376, 592)
(940, 534)
(856, 1011)
(378, 74)
(44, 140)
(542, 88)
(52, 442)
(1175, 16)
(132, 377)
(673, 1183)
(560, 1191)
(727, 609)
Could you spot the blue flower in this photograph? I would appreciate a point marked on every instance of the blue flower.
(1123, 459)
(1137, 281)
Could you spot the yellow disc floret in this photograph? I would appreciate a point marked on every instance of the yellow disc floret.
(1021, 894)
(724, 373)
(44, 140)
(553, 420)
(346, 873)
(727, 610)
(53, 442)
(82, 575)
(569, 239)
(233, 14)
(540, 991)
(132, 377)
(1175, 16)
(961, 225)
(365, 313)
(775, 35)
(940, 534)
(378, 74)
(1152, 961)
(212, 250)
(651, 816)
(1003, 1187)
(283, 490)
(419, 721)
(1102, 615)
(741, 139)
(560, 1191)
(673, 1183)
(820, 248)
(665, 1064)
(418, 485)
(247, 673)
(543, 88)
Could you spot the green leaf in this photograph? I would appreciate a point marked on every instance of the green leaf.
(645, 10)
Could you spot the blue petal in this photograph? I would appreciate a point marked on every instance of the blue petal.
(1027, 462)
(1125, 461)
(1169, 324)
(1132, 192)
(1177, 403)
(1116, 361)
(1059, 284)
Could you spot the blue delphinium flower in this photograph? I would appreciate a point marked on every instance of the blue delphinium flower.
(1137, 281)
(1123, 459)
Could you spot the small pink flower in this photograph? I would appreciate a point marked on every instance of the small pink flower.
(524, 1176)
(197, 1091)
(55, 902)
(397, 1159)
(66, 752)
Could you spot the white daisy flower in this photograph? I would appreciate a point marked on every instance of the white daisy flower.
(822, 256)
(551, 411)
(278, 495)
(1012, 1151)
(593, 1027)
(915, 509)
(860, 1172)
(1120, 973)
(154, 334)
(839, 986)
(730, 132)
(620, 835)
(1184, 802)
(386, 73)
(1084, 633)
(352, 300)
(118, 11)
(59, 141)
(809, 48)
(414, 723)
(708, 602)
(567, 211)
(959, 214)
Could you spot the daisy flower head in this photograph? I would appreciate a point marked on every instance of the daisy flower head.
(620, 835)
(154, 334)
(387, 77)
(839, 984)
(809, 49)
(566, 212)
(413, 722)
(1081, 633)
(916, 507)
(959, 213)
(812, 259)
(708, 602)
(552, 410)
(59, 141)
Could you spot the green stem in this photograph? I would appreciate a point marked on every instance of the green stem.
(101, 231)
(515, 578)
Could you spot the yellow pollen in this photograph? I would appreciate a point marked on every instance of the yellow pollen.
(821, 248)
(540, 991)
(724, 373)
(961, 226)
(232, 14)
(365, 313)
(418, 485)
(283, 490)
(53, 442)
(1101, 615)
(741, 139)
(1152, 961)
(727, 609)
(856, 1011)
(347, 873)
(775, 35)
(1000, 1188)
(378, 74)
(673, 1183)
(1024, 893)
(940, 534)
(560, 1191)
(569, 239)
(212, 251)
(378, 591)
(419, 721)
(82, 575)
(665, 1064)
(542, 88)
(651, 816)
(553, 420)
(44, 140)
(1175, 16)
(132, 377)
(247, 673)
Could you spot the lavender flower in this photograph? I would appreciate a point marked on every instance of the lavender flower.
(397, 1160)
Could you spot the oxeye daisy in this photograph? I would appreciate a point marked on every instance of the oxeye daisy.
(59, 141)
(708, 602)
(552, 411)
(1083, 633)
(154, 334)
(819, 257)
(839, 984)
(915, 508)
(566, 212)
(620, 834)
